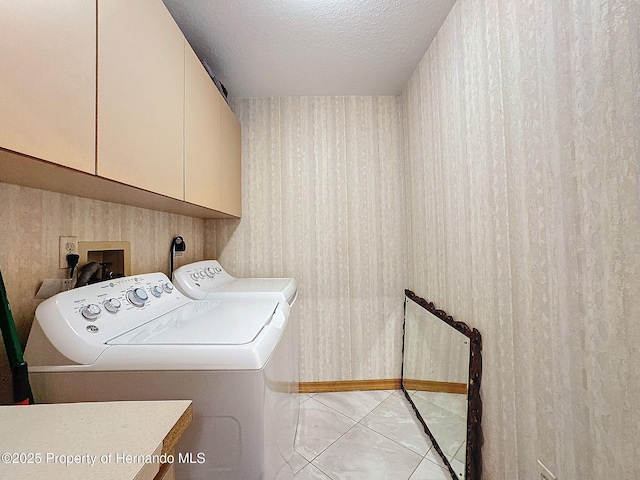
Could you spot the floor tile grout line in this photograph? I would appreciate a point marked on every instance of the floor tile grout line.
(326, 448)
(414, 470)
(360, 422)
(389, 438)
(357, 422)
(342, 435)
(422, 457)
(316, 466)
(341, 413)
(395, 441)
(463, 417)
(460, 447)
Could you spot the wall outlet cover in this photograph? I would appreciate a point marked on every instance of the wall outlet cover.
(68, 244)
(53, 286)
(67, 284)
(545, 474)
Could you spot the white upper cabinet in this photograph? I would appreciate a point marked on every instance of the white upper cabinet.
(230, 194)
(212, 143)
(140, 96)
(112, 89)
(48, 80)
(201, 134)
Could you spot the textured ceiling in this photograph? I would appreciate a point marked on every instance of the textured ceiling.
(272, 48)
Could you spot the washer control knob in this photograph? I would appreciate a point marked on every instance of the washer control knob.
(156, 291)
(210, 272)
(195, 276)
(137, 296)
(112, 305)
(201, 273)
(168, 287)
(90, 312)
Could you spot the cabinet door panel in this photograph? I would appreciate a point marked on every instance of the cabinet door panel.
(230, 199)
(201, 134)
(48, 82)
(140, 96)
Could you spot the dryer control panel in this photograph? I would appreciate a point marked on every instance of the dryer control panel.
(197, 279)
(208, 280)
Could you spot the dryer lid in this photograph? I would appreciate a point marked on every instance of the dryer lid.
(204, 323)
(286, 286)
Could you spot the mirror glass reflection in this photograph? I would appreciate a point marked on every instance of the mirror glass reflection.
(436, 369)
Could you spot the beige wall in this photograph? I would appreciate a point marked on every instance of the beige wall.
(523, 128)
(519, 133)
(323, 202)
(31, 221)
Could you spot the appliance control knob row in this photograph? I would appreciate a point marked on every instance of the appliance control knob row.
(156, 291)
(137, 296)
(112, 305)
(90, 312)
(203, 274)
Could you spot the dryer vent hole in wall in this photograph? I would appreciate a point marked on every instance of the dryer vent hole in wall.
(545, 474)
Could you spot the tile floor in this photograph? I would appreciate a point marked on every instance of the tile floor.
(365, 435)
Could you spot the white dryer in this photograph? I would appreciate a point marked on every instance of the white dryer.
(138, 338)
(207, 280)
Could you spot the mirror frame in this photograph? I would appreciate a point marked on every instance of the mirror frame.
(473, 463)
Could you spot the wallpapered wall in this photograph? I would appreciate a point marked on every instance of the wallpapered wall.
(502, 185)
(323, 201)
(31, 222)
(522, 161)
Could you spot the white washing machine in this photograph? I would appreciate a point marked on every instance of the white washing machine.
(207, 280)
(138, 338)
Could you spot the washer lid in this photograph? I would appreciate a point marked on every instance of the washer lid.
(204, 323)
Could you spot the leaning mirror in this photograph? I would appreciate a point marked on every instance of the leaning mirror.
(441, 372)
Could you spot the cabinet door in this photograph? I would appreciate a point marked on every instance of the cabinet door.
(140, 96)
(201, 134)
(230, 199)
(48, 82)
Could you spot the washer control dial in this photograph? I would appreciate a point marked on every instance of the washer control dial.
(168, 287)
(210, 272)
(156, 291)
(112, 305)
(90, 312)
(137, 296)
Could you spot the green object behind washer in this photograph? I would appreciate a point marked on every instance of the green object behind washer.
(21, 388)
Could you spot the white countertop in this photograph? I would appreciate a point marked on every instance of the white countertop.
(103, 440)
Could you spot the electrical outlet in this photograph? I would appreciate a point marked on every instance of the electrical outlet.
(67, 245)
(545, 474)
